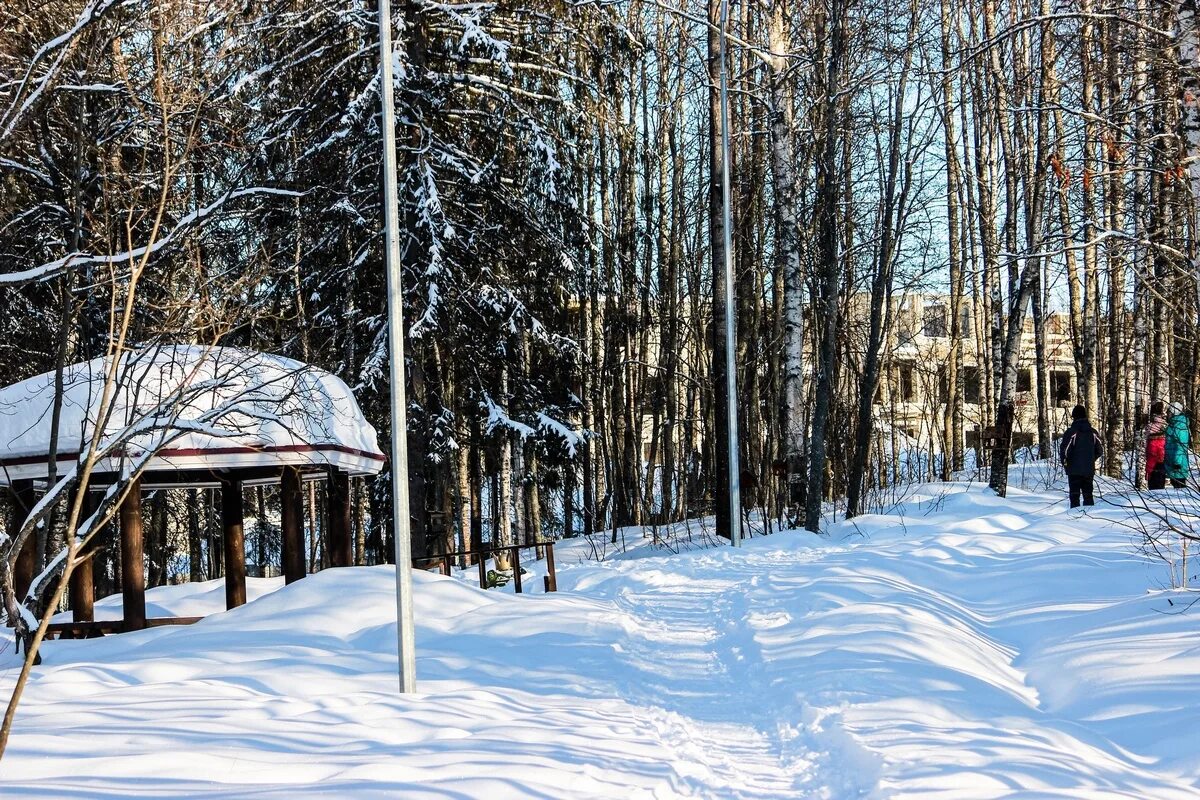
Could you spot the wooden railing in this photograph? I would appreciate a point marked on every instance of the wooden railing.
(90, 629)
(445, 562)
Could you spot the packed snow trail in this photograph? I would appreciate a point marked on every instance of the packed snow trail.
(963, 646)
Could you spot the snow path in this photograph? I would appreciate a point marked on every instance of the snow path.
(692, 625)
(962, 647)
(975, 647)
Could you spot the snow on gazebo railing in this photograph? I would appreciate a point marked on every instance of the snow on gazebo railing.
(180, 416)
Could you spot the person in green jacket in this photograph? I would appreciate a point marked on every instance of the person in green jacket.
(1178, 446)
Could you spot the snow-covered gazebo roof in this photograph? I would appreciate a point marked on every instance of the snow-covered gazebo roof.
(185, 408)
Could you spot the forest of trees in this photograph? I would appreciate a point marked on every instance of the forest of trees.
(561, 218)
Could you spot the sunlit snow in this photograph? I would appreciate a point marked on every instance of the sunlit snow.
(962, 646)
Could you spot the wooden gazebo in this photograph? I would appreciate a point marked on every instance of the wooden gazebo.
(190, 417)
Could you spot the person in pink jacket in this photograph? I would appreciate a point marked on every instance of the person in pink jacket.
(1156, 447)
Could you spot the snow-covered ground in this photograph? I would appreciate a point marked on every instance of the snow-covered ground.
(963, 646)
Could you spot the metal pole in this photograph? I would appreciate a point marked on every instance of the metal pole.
(406, 641)
(731, 416)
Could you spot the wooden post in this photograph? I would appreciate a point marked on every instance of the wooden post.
(516, 551)
(233, 522)
(133, 570)
(83, 581)
(551, 578)
(83, 590)
(481, 560)
(22, 500)
(291, 504)
(341, 527)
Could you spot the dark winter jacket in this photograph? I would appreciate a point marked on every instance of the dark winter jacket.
(1178, 440)
(1079, 449)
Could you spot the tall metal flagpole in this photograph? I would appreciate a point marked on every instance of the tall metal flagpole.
(731, 415)
(406, 641)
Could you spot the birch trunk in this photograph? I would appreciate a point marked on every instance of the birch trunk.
(787, 253)
(503, 497)
(952, 423)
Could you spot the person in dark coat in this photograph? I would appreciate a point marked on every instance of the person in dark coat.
(1078, 451)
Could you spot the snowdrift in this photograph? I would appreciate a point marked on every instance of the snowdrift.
(963, 646)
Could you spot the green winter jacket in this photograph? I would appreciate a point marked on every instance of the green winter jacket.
(1178, 441)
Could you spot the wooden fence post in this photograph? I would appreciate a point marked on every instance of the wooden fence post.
(551, 578)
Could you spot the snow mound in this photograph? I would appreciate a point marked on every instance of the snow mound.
(961, 646)
(199, 599)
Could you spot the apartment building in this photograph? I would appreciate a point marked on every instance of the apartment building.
(912, 397)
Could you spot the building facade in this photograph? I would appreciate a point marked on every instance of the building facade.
(913, 391)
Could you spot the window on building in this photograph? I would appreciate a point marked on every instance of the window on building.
(971, 391)
(965, 322)
(908, 385)
(1024, 380)
(935, 321)
(1021, 440)
(1060, 387)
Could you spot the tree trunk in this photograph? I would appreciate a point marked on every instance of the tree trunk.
(829, 251)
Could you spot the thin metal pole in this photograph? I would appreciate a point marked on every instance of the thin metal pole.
(406, 641)
(731, 415)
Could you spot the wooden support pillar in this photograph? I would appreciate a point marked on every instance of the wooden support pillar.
(291, 504)
(341, 526)
(23, 569)
(232, 520)
(83, 577)
(83, 591)
(133, 568)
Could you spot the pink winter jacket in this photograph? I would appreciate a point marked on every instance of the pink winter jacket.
(1156, 443)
